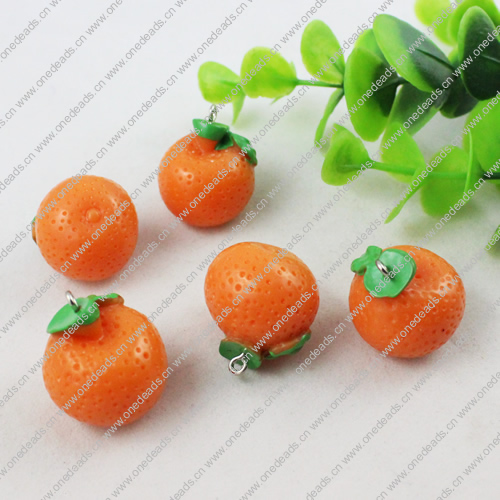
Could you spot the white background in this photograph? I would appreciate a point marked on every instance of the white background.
(202, 399)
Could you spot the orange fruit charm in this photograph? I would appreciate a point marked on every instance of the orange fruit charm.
(264, 299)
(104, 362)
(208, 179)
(86, 228)
(405, 301)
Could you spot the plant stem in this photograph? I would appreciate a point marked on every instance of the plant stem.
(492, 177)
(399, 81)
(386, 167)
(334, 100)
(309, 83)
(398, 169)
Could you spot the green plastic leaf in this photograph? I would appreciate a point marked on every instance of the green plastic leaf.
(368, 42)
(414, 107)
(495, 238)
(482, 76)
(372, 102)
(433, 13)
(402, 150)
(334, 100)
(439, 193)
(484, 125)
(321, 54)
(219, 84)
(416, 58)
(474, 170)
(345, 157)
(487, 5)
(266, 74)
(458, 101)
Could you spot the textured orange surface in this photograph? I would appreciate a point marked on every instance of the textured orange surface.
(76, 217)
(383, 319)
(235, 268)
(186, 176)
(129, 376)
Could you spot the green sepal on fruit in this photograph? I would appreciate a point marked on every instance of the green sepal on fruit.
(245, 145)
(210, 130)
(225, 138)
(87, 311)
(401, 269)
(292, 350)
(230, 349)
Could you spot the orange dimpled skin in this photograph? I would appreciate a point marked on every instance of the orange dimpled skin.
(100, 398)
(273, 287)
(382, 320)
(224, 179)
(89, 231)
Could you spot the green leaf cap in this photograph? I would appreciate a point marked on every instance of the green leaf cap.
(230, 349)
(210, 130)
(295, 348)
(225, 138)
(386, 273)
(85, 313)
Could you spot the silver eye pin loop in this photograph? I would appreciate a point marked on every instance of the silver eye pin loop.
(382, 267)
(72, 301)
(238, 360)
(212, 115)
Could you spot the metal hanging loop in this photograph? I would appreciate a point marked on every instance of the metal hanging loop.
(241, 360)
(382, 267)
(212, 115)
(72, 301)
